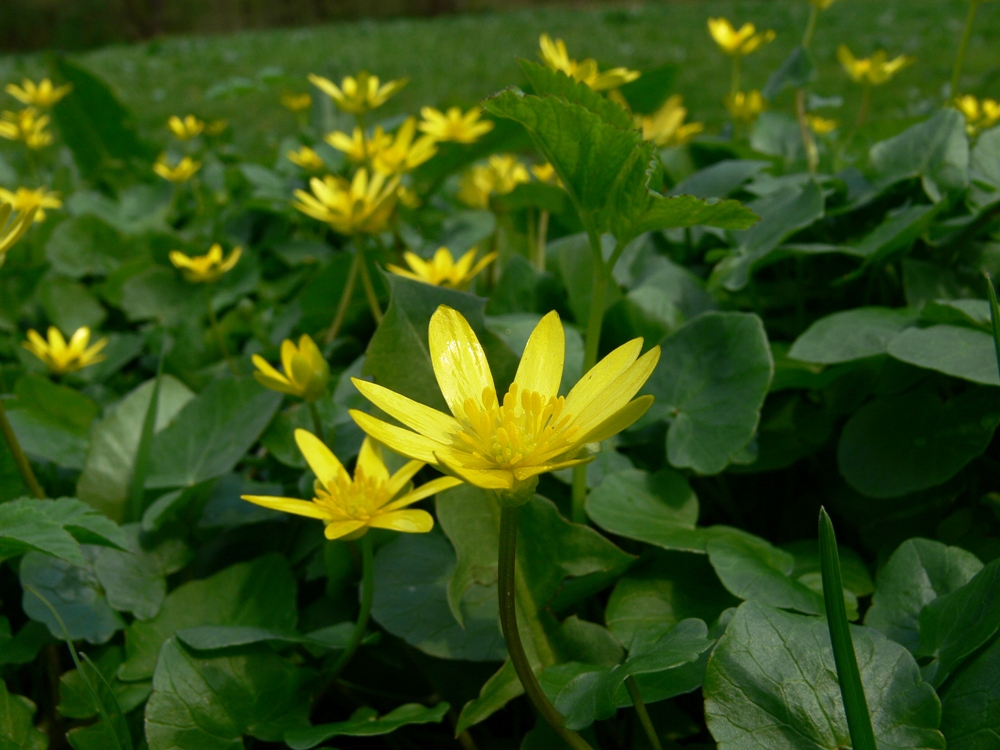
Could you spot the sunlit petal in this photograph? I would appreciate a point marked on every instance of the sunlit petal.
(321, 460)
(458, 358)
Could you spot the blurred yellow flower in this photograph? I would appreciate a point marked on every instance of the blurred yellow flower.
(666, 126)
(357, 147)
(821, 125)
(443, 269)
(27, 126)
(358, 95)
(545, 173)
(371, 500)
(296, 102)
(822, 4)
(738, 42)
(61, 357)
(453, 125)
(185, 129)
(555, 56)
(306, 158)
(211, 266)
(215, 127)
(500, 175)
(744, 106)
(503, 444)
(12, 229)
(874, 70)
(979, 114)
(42, 95)
(401, 153)
(306, 370)
(25, 199)
(183, 171)
(361, 206)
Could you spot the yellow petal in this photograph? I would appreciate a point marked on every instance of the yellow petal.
(403, 442)
(339, 529)
(458, 358)
(488, 479)
(266, 369)
(532, 471)
(274, 384)
(289, 505)
(425, 490)
(321, 460)
(370, 460)
(425, 420)
(601, 375)
(620, 420)
(619, 392)
(399, 480)
(541, 365)
(410, 521)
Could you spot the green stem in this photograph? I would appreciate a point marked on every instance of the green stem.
(807, 37)
(345, 300)
(366, 282)
(866, 102)
(367, 593)
(808, 142)
(317, 423)
(734, 87)
(217, 330)
(506, 583)
(963, 45)
(23, 465)
(859, 721)
(642, 713)
(543, 234)
(994, 317)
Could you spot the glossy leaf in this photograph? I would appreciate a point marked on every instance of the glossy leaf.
(970, 702)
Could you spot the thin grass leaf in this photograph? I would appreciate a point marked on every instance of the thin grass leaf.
(859, 720)
(994, 317)
(137, 485)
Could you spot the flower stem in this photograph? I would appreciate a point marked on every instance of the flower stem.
(23, 465)
(317, 423)
(963, 45)
(217, 330)
(642, 713)
(366, 282)
(508, 623)
(543, 234)
(807, 37)
(808, 141)
(345, 301)
(866, 101)
(367, 593)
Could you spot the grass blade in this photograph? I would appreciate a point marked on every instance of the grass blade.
(137, 484)
(994, 317)
(851, 690)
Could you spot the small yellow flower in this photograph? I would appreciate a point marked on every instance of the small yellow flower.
(874, 70)
(26, 126)
(61, 357)
(306, 158)
(25, 199)
(362, 206)
(453, 125)
(306, 371)
(820, 125)
(476, 186)
(402, 153)
(744, 106)
(208, 267)
(508, 173)
(666, 126)
(741, 42)
(979, 114)
(296, 102)
(12, 229)
(42, 95)
(357, 147)
(545, 173)
(503, 444)
(371, 500)
(358, 95)
(555, 56)
(500, 175)
(822, 4)
(187, 128)
(183, 171)
(443, 269)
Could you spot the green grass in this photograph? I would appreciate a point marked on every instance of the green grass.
(464, 58)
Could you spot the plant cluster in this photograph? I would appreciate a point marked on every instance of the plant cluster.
(538, 397)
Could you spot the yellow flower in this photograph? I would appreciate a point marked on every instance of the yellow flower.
(501, 174)
(207, 267)
(361, 206)
(820, 125)
(453, 125)
(186, 129)
(402, 153)
(979, 115)
(874, 70)
(741, 42)
(545, 173)
(183, 171)
(25, 199)
(356, 146)
(26, 126)
(508, 172)
(744, 106)
(371, 500)
(61, 357)
(11, 230)
(822, 4)
(555, 56)
(306, 371)
(42, 95)
(504, 444)
(306, 158)
(666, 126)
(296, 102)
(443, 269)
(358, 95)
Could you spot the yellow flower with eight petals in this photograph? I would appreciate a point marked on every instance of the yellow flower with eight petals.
(361, 206)
(874, 70)
(306, 370)
(306, 158)
(201, 269)
(372, 499)
(25, 199)
(738, 42)
(505, 444)
(187, 128)
(443, 269)
(183, 171)
(358, 95)
(12, 229)
(61, 357)
(744, 106)
(979, 114)
(453, 125)
(666, 126)
(42, 95)
(296, 102)
(26, 126)
(555, 56)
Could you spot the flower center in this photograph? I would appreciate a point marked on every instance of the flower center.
(356, 500)
(522, 431)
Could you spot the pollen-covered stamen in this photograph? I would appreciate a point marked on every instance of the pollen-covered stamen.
(356, 499)
(525, 430)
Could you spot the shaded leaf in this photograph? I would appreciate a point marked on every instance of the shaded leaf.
(17, 730)
(851, 334)
(365, 722)
(954, 350)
